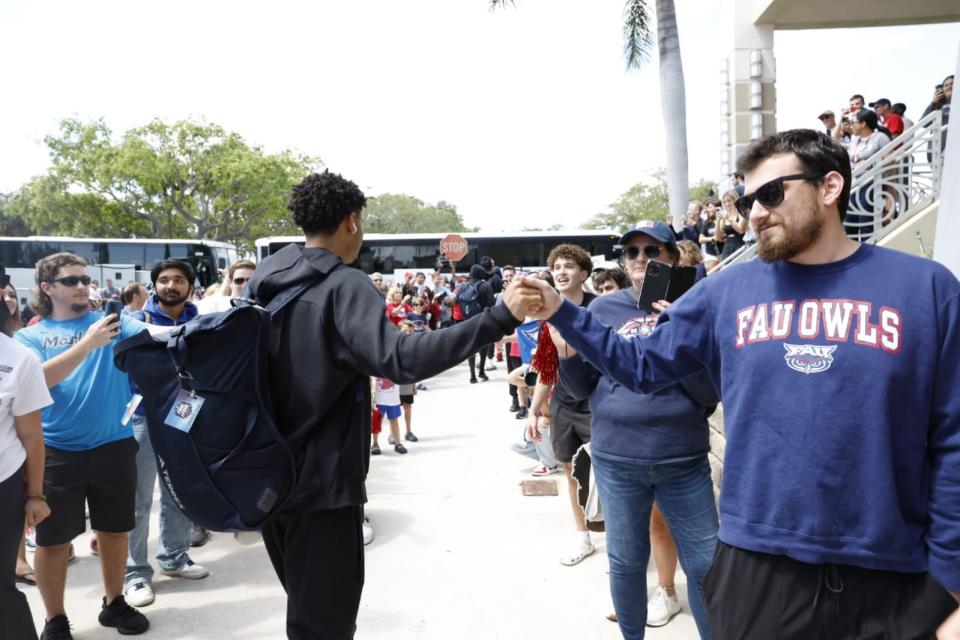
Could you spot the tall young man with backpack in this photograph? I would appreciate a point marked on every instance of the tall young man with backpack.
(168, 306)
(475, 296)
(330, 340)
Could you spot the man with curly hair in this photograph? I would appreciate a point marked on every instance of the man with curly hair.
(331, 340)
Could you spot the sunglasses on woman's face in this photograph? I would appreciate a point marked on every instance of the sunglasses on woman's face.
(240, 281)
(770, 194)
(72, 281)
(651, 251)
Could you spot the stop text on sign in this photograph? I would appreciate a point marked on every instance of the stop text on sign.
(453, 247)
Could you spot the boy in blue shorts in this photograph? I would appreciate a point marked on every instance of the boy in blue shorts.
(386, 396)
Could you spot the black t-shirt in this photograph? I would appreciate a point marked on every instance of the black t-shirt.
(560, 393)
(709, 228)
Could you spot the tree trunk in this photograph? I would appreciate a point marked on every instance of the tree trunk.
(673, 101)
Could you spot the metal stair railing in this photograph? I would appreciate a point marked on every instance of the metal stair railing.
(894, 184)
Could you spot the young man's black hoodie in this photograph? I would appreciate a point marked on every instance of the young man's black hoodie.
(332, 338)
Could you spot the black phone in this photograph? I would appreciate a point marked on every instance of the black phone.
(664, 282)
(113, 306)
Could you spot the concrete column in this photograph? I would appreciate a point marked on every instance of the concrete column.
(748, 99)
(948, 218)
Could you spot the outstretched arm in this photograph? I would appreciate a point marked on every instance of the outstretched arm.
(681, 345)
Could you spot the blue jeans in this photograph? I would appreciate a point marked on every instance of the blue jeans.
(684, 492)
(174, 526)
(542, 451)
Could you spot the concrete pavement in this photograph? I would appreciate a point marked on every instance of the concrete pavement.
(459, 551)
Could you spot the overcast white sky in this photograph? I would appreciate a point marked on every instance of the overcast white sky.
(520, 117)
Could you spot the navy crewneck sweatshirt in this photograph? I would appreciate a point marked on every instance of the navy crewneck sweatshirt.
(669, 425)
(841, 392)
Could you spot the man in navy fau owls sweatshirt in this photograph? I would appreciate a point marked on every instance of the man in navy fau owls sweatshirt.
(839, 369)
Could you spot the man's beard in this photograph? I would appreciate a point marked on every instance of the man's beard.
(172, 299)
(78, 307)
(793, 241)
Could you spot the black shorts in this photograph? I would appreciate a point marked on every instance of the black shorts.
(406, 399)
(794, 601)
(570, 430)
(105, 478)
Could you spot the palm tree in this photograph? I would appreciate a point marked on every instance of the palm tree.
(638, 42)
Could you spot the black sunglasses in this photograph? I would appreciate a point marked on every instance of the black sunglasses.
(72, 281)
(651, 251)
(239, 281)
(770, 194)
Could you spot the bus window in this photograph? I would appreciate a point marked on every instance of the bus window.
(89, 251)
(125, 253)
(11, 255)
(153, 253)
(33, 252)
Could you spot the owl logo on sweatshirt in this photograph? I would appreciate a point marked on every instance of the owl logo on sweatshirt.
(809, 358)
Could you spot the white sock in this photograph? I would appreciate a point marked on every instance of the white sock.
(583, 537)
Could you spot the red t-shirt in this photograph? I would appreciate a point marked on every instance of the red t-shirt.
(893, 123)
(396, 318)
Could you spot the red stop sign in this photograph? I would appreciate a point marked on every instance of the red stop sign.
(453, 247)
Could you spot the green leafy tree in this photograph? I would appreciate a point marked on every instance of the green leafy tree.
(11, 223)
(638, 42)
(187, 179)
(646, 201)
(397, 213)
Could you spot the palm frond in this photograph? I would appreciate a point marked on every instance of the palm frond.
(637, 33)
(498, 4)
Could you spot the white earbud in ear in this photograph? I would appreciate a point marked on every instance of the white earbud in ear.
(354, 229)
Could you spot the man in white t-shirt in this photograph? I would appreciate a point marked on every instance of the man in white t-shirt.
(23, 392)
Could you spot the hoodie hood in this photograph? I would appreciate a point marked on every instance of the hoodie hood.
(160, 317)
(290, 266)
(477, 272)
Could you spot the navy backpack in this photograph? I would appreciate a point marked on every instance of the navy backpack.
(224, 461)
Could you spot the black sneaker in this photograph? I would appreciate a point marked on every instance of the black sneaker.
(473, 381)
(483, 376)
(57, 628)
(515, 406)
(410, 437)
(400, 449)
(521, 414)
(375, 450)
(127, 620)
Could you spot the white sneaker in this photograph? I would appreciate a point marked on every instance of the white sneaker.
(247, 537)
(490, 367)
(367, 531)
(189, 570)
(577, 554)
(139, 594)
(661, 607)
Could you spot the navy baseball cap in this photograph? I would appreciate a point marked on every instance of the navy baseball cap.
(655, 229)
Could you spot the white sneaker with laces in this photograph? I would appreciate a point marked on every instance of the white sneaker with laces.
(578, 553)
(189, 570)
(139, 594)
(367, 531)
(661, 607)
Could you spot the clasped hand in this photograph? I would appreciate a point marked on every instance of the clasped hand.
(530, 297)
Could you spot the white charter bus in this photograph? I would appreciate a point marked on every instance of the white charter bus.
(121, 260)
(389, 253)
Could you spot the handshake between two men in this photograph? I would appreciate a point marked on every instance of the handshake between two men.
(531, 297)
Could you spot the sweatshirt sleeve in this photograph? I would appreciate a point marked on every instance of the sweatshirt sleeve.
(681, 344)
(377, 348)
(943, 442)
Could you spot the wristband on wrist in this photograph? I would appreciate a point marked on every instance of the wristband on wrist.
(36, 495)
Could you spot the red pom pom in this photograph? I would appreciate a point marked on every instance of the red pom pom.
(546, 360)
